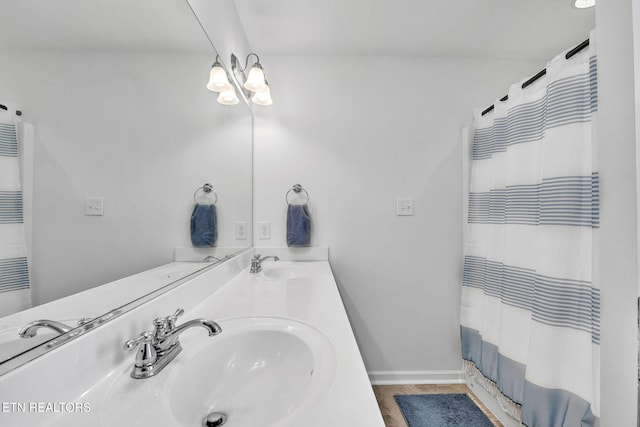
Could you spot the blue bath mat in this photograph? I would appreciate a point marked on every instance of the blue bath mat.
(441, 410)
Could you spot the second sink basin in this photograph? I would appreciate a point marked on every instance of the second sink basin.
(288, 270)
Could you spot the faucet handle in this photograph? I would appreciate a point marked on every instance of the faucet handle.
(144, 338)
(172, 319)
(147, 356)
(160, 328)
(160, 323)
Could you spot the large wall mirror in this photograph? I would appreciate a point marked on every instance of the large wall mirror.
(114, 94)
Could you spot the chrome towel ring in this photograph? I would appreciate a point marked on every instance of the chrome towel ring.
(297, 188)
(207, 188)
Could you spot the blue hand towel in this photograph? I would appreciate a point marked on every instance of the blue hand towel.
(203, 225)
(298, 226)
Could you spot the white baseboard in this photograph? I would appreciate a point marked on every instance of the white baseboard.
(415, 377)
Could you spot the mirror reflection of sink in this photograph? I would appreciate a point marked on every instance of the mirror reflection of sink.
(258, 372)
(287, 270)
(11, 344)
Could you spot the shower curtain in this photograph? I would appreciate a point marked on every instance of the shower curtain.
(530, 296)
(15, 292)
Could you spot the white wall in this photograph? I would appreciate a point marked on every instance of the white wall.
(139, 130)
(618, 260)
(358, 132)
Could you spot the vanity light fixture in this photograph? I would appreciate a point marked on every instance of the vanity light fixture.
(583, 4)
(219, 82)
(228, 96)
(254, 82)
(263, 96)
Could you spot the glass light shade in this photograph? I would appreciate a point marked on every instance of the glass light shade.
(228, 97)
(218, 80)
(255, 80)
(583, 4)
(263, 97)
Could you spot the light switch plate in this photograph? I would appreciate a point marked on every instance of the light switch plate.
(241, 230)
(93, 206)
(405, 207)
(264, 230)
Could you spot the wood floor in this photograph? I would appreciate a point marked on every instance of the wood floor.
(391, 412)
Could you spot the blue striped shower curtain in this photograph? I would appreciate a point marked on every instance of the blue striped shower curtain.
(15, 294)
(530, 317)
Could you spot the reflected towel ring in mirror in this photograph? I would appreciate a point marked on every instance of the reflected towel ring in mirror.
(207, 188)
(296, 189)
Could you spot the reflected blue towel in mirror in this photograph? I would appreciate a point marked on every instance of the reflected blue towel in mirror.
(203, 225)
(298, 226)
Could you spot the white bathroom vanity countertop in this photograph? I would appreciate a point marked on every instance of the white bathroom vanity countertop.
(302, 292)
(312, 299)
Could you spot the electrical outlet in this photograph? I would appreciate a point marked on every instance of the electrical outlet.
(264, 230)
(405, 207)
(93, 206)
(241, 230)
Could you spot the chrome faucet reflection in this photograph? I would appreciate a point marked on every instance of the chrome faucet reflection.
(159, 347)
(30, 329)
(256, 262)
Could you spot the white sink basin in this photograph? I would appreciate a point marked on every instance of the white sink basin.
(287, 270)
(258, 371)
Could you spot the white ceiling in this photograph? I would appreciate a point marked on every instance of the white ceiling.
(468, 28)
(149, 25)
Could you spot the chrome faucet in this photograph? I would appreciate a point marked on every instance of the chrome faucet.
(256, 262)
(211, 258)
(159, 347)
(30, 329)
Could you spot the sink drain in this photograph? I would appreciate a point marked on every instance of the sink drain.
(214, 419)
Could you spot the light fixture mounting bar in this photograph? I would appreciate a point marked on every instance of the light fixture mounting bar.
(238, 73)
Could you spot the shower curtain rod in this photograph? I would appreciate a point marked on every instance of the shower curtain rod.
(4, 107)
(541, 73)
